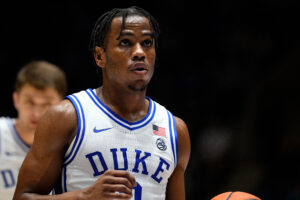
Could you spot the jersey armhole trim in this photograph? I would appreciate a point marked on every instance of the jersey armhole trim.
(80, 129)
(16, 135)
(173, 137)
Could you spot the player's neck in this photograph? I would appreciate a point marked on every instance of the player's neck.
(26, 133)
(128, 105)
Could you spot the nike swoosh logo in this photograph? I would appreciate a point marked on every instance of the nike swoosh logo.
(100, 130)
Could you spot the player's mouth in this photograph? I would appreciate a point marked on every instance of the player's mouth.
(139, 68)
(34, 122)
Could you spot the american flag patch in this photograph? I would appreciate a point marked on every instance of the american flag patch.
(160, 131)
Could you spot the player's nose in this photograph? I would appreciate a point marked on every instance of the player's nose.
(138, 52)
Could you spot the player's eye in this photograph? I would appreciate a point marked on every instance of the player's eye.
(29, 102)
(147, 43)
(125, 42)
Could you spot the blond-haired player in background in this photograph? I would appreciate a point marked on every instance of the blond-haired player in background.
(39, 84)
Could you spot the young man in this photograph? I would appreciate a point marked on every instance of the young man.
(112, 142)
(39, 84)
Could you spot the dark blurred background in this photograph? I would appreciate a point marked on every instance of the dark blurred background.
(228, 68)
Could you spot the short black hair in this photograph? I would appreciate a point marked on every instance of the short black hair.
(104, 21)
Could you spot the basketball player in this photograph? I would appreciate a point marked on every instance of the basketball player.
(111, 142)
(39, 84)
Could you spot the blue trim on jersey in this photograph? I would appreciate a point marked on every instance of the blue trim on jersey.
(173, 136)
(57, 189)
(115, 115)
(80, 131)
(25, 147)
(78, 128)
(61, 184)
(130, 126)
(65, 179)
(176, 138)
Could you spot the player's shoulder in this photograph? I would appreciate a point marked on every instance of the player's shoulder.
(182, 131)
(184, 143)
(60, 118)
(64, 107)
(5, 119)
(5, 123)
(181, 125)
(62, 113)
(64, 110)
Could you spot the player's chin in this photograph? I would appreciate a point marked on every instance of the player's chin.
(138, 87)
(33, 126)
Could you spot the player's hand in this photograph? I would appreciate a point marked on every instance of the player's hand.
(113, 184)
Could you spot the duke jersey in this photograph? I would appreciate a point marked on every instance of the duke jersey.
(147, 148)
(12, 153)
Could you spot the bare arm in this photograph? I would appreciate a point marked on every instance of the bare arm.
(175, 187)
(42, 166)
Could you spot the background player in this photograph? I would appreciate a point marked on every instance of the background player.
(39, 84)
(112, 142)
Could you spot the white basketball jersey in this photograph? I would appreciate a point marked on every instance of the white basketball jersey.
(146, 148)
(12, 153)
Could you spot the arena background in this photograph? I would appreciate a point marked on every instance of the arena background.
(228, 68)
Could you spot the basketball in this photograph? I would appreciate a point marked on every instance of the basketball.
(235, 196)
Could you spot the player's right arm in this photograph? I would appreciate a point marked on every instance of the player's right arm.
(43, 163)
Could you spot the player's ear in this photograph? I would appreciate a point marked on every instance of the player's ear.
(15, 97)
(99, 55)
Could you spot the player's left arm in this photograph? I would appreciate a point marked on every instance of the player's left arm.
(175, 187)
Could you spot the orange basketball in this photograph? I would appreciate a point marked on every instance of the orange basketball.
(235, 196)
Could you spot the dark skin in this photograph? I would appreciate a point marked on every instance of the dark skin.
(127, 65)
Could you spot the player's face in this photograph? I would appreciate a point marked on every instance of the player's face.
(32, 103)
(130, 58)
